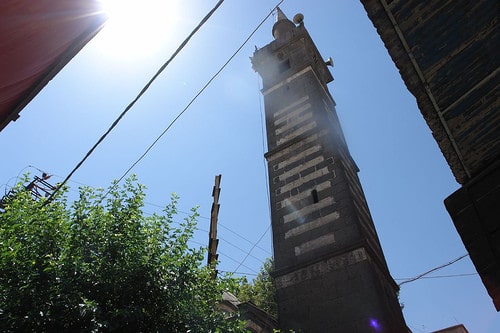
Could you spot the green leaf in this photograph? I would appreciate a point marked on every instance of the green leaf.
(98, 264)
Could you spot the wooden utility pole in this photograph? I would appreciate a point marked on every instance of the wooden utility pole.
(213, 241)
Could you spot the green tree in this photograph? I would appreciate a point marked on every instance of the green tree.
(262, 291)
(101, 265)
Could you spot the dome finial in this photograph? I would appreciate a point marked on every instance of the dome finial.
(280, 15)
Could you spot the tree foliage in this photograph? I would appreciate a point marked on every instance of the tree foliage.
(102, 265)
(262, 291)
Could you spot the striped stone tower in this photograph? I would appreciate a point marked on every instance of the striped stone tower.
(330, 271)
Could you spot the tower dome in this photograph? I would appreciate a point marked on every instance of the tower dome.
(283, 25)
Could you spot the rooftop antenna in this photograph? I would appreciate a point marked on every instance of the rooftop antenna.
(39, 187)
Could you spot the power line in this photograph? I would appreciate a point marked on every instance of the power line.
(197, 95)
(241, 273)
(223, 254)
(240, 264)
(144, 89)
(221, 225)
(420, 276)
(222, 239)
(235, 233)
(253, 247)
(239, 248)
(189, 104)
(176, 118)
(441, 276)
(197, 227)
(246, 239)
(426, 277)
(6, 184)
(266, 176)
(265, 167)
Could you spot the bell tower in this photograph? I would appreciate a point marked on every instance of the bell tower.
(330, 271)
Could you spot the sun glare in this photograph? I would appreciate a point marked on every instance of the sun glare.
(137, 27)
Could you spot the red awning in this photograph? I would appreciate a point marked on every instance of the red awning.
(37, 39)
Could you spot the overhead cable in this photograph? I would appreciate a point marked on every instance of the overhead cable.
(262, 117)
(146, 87)
(433, 270)
(197, 228)
(219, 223)
(198, 94)
(251, 249)
(442, 276)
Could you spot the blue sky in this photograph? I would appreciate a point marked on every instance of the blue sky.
(403, 173)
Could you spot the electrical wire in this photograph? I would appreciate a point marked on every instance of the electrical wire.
(144, 89)
(262, 117)
(175, 119)
(246, 239)
(240, 273)
(196, 96)
(441, 276)
(7, 183)
(197, 228)
(262, 134)
(420, 276)
(224, 255)
(239, 248)
(222, 239)
(233, 232)
(247, 267)
(219, 224)
(251, 249)
(241, 263)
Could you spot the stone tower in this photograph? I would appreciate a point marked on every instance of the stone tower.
(330, 271)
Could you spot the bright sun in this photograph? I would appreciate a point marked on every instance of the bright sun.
(137, 27)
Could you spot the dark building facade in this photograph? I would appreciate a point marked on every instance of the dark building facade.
(37, 39)
(447, 54)
(330, 271)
